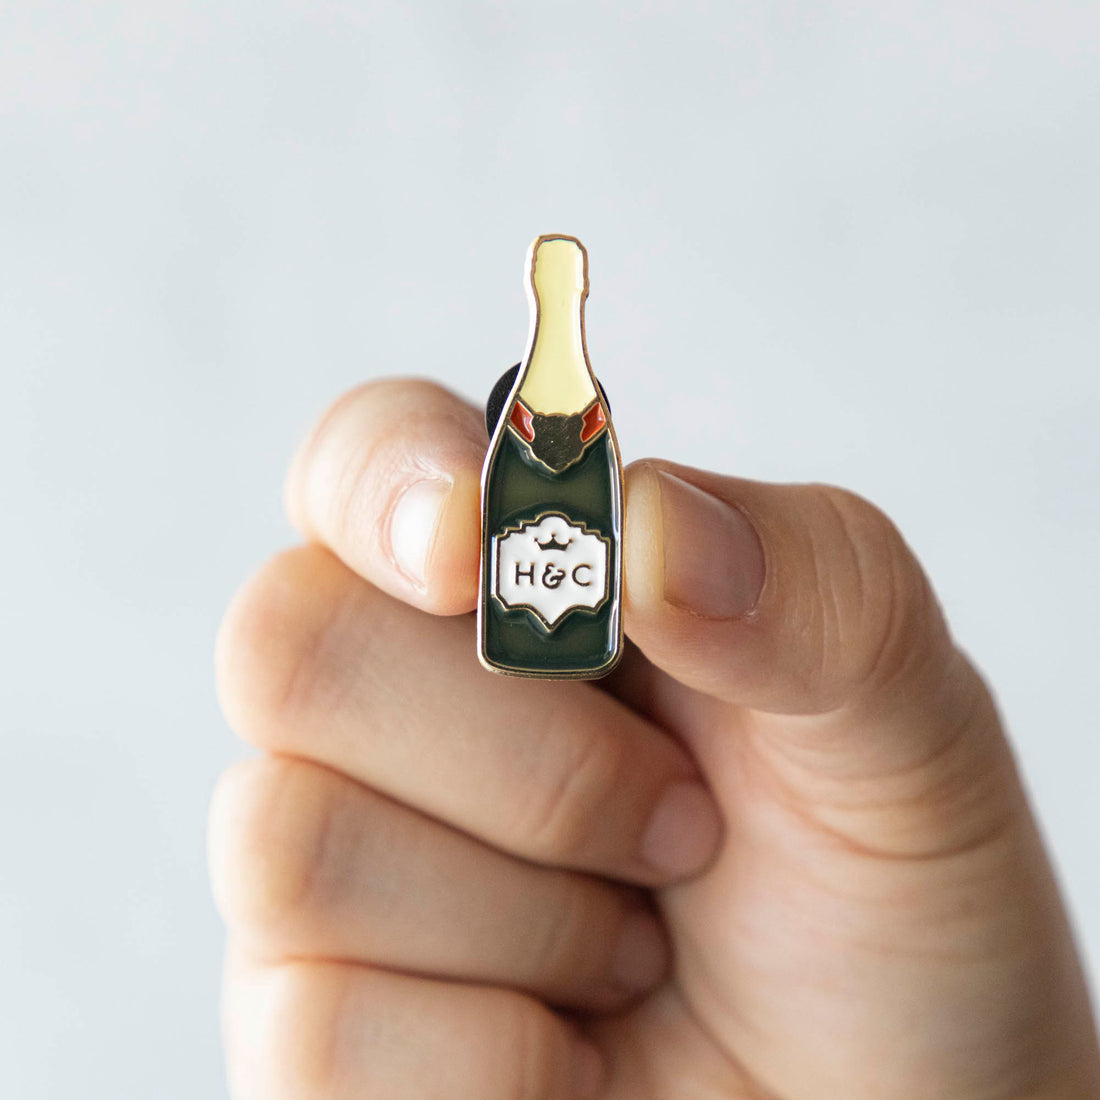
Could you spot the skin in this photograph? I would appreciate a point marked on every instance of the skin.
(443, 883)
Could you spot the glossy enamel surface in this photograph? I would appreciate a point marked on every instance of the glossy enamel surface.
(553, 454)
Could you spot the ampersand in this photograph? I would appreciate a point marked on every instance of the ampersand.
(552, 577)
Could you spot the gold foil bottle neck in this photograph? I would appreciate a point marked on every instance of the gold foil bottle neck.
(558, 268)
(556, 378)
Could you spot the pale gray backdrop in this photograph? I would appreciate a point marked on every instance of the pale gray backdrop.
(856, 242)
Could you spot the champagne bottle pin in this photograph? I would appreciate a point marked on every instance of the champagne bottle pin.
(551, 493)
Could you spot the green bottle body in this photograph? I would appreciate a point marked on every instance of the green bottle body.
(584, 502)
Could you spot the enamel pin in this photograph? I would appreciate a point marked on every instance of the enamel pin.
(551, 493)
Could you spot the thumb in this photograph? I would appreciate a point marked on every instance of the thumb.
(877, 827)
(794, 599)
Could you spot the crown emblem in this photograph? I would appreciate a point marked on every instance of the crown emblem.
(552, 544)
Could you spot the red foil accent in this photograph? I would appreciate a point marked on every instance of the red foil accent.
(522, 421)
(594, 422)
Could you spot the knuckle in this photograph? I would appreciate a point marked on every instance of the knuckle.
(877, 609)
(371, 470)
(560, 945)
(364, 482)
(344, 473)
(589, 771)
(271, 647)
(269, 827)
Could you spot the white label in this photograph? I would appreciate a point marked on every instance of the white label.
(551, 566)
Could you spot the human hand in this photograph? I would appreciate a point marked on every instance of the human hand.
(782, 852)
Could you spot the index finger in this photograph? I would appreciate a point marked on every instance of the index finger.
(389, 480)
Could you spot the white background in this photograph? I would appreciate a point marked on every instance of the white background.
(850, 242)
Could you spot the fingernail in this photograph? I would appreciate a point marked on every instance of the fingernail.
(714, 563)
(684, 830)
(641, 956)
(588, 1070)
(413, 524)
